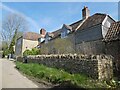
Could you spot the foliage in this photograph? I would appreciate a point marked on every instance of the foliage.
(34, 51)
(6, 52)
(26, 52)
(57, 76)
(12, 27)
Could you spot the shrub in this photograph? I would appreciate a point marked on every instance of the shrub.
(34, 51)
(27, 52)
(6, 52)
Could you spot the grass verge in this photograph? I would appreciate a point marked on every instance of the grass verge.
(58, 76)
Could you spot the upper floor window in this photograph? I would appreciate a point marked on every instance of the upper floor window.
(48, 37)
(63, 34)
(65, 30)
(108, 24)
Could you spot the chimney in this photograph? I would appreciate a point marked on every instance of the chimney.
(85, 12)
(42, 31)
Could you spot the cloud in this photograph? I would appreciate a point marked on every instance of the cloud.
(29, 19)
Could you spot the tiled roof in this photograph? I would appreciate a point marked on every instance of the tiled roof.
(68, 27)
(93, 20)
(56, 33)
(50, 34)
(31, 36)
(113, 32)
(76, 24)
(73, 26)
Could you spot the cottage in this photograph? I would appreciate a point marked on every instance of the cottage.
(28, 41)
(86, 34)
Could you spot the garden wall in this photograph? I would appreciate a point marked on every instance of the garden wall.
(95, 66)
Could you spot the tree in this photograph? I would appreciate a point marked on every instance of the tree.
(13, 26)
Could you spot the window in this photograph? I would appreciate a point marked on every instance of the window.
(49, 38)
(65, 31)
(108, 24)
(68, 31)
(63, 35)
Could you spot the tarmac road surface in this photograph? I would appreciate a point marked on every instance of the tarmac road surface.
(11, 78)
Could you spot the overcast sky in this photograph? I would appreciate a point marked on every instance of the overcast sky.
(52, 15)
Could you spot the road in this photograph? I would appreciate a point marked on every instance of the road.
(11, 78)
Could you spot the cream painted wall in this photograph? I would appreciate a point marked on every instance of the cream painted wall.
(28, 44)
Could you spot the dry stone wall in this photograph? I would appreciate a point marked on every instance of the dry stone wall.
(95, 66)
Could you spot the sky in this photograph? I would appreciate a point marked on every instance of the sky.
(52, 15)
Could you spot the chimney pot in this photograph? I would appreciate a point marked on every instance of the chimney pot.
(42, 31)
(85, 12)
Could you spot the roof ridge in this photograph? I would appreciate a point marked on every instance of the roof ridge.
(75, 22)
(31, 32)
(100, 13)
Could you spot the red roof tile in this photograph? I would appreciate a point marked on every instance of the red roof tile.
(31, 36)
(113, 32)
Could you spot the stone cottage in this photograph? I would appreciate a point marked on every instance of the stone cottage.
(86, 34)
(28, 41)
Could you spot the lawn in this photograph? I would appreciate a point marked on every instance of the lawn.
(58, 76)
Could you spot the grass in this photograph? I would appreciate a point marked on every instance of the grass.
(58, 76)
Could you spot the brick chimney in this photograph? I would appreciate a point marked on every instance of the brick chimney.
(85, 12)
(43, 32)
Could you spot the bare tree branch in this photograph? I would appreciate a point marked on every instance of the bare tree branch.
(12, 23)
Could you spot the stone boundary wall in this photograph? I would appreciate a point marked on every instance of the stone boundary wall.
(95, 66)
